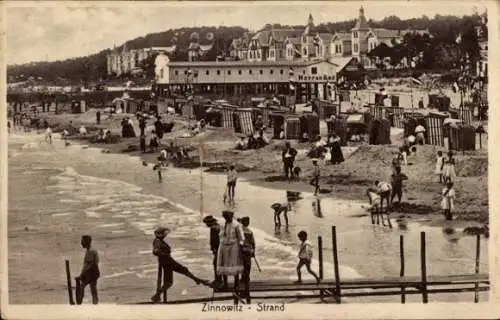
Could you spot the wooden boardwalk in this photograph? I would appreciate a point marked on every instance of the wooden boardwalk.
(332, 290)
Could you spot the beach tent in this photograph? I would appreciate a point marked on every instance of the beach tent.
(338, 126)
(324, 108)
(292, 127)
(309, 123)
(356, 124)
(462, 137)
(242, 120)
(227, 116)
(380, 132)
(277, 121)
(434, 133)
(78, 106)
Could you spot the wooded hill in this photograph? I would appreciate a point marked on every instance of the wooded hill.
(92, 68)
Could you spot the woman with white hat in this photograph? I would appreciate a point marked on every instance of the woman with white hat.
(229, 259)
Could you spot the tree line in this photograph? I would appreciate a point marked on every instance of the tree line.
(452, 44)
(440, 49)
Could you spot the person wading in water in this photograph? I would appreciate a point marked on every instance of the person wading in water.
(90, 272)
(278, 209)
(232, 176)
(215, 228)
(162, 250)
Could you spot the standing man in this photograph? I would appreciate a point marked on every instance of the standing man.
(90, 272)
(98, 116)
(248, 252)
(142, 124)
(315, 178)
(288, 158)
(214, 226)
(397, 179)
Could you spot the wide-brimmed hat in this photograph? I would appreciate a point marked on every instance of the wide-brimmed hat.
(244, 220)
(162, 231)
(227, 213)
(209, 220)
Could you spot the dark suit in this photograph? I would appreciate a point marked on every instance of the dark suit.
(214, 246)
(288, 161)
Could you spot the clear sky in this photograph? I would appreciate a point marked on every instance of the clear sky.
(53, 31)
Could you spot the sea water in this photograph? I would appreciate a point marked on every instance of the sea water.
(58, 193)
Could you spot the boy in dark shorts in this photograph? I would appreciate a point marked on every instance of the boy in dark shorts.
(90, 272)
(305, 257)
(162, 250)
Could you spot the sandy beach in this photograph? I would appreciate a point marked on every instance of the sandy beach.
(364, 164)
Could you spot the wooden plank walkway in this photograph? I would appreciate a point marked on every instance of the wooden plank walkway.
(363, 283)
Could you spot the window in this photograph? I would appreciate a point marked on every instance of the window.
(355, 34)
(176, 72)
(314, 70)
(281, 71)
(218, 72)
(239, 71)
(355, 48)
(261, 72)
(271, 71)
(305, 51)
(185, 72)
(249, 71)
(207, 72)
(228, 72)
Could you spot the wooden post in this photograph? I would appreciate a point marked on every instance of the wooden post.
(320, 262)
(336, 264)
(320, 257)
(402, 264)
(478, 251)
(70, 286)
(423, 267)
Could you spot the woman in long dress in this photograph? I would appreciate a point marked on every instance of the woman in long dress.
(336, 150)
(229, 258)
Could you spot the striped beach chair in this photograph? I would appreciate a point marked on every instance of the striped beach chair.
(292, 128)
(465, 114)
(227, 117)
(245, 118)
(435, 130)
